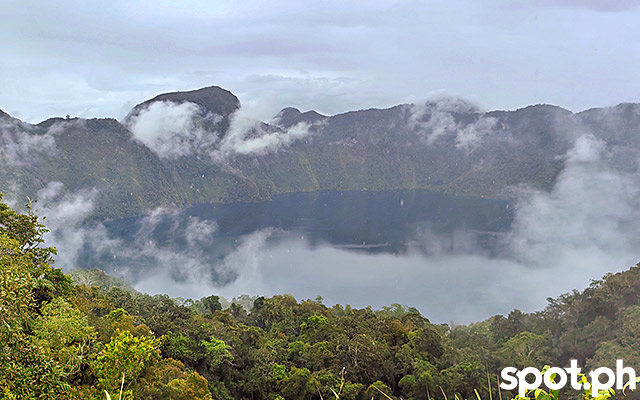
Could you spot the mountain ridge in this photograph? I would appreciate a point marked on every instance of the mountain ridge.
(446, 146)
(212, 98)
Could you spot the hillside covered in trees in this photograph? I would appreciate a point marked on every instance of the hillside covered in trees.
(63, 340)
(192, 147)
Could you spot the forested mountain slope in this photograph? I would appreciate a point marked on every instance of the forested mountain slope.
(193, 147)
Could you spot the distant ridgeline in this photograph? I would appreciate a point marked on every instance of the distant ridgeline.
(194, 147)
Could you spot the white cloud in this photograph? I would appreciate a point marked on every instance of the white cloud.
(436, 118)
(247, 135)
(199, 232)
(462, 288)
(472, 134)
(587, 149)
(195, 280)
(146, 255)
(591, 210)
(64, 214)
(432, 118)
(270, 142)
(18, 143)
(172, 130)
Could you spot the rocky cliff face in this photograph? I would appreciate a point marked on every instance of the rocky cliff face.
(196, 147)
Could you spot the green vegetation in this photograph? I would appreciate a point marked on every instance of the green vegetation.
(367, 150)
(76, 341)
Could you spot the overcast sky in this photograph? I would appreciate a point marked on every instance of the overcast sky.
(99, 58)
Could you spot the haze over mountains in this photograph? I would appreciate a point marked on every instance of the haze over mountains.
(200, 146)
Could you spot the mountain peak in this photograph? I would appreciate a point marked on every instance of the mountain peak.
(4, 115)
(288, 111)
(212, 99)
(290, 116)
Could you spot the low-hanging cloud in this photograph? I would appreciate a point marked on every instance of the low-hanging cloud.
(64, 214)
(438, 118)
(249, 136)
(244, 263)
(591, 210)
(164, 244)
(434, 118)
(461, 288)
(469, 136)
(22, 148)
(18, 142)
(173, 130)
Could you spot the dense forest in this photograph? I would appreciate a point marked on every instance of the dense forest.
(66, 340)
